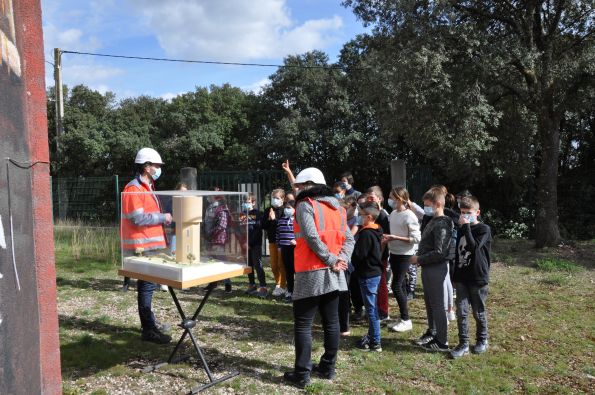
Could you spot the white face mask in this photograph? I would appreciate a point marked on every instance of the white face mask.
(276, 202)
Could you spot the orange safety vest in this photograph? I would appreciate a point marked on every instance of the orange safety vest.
(331, 225)
(148, 237)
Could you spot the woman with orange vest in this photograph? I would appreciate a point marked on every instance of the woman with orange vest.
(324, 246)
(142, 232)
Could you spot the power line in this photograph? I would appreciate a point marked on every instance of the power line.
(204, 61)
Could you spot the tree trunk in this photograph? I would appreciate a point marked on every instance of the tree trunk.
(547, 233)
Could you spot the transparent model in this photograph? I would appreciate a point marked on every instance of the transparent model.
(183, 236)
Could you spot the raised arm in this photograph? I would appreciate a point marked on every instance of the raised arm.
(289, 173)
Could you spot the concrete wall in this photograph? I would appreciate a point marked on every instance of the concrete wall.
(29, 344)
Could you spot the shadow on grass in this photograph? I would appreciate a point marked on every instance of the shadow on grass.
(102, 284)
(102, 345)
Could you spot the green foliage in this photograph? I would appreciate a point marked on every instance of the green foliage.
(495, 96)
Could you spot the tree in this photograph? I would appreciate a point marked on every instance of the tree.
(540, 52)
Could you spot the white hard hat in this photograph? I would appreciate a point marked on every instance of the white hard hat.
(311, 174)
(148, 155)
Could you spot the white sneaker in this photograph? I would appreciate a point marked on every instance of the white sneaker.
(402, 326)
(451, 316)
(164, 288)
(278, 291)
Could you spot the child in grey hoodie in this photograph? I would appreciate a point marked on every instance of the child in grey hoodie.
(432, 255)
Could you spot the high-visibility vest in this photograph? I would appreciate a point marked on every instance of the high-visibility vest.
(331, 225)
(147, 237)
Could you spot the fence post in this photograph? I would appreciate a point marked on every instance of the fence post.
(117, 200)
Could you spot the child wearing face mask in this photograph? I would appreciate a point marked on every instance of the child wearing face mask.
(402, 244)
(269, 223)
(432, 255)
(286, 242)
(252, 217)
(471, 277)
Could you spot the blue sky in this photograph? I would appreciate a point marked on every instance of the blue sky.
(254, 31)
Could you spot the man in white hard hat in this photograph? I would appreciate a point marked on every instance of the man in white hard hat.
(142, 232)
(324, 246)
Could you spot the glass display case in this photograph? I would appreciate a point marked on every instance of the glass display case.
(183, 238)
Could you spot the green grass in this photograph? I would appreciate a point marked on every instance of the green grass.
(541, 334)
(557, 265)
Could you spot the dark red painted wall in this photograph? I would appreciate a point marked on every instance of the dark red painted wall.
(29, 343)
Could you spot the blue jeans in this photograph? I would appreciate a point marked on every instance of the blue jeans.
(144, 298)
(369, 288)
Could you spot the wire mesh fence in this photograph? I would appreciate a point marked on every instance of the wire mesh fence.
(96, 200)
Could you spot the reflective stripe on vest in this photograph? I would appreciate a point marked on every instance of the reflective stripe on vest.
(331, 227)
(148, 237)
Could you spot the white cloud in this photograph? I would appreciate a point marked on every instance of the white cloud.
(168, 96)
(234, 30)
(71, 39)
(88, 73)
(257, 86)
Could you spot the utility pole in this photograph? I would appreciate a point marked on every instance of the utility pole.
(59, 99)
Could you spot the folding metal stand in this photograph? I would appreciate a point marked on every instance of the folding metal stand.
(188, 324)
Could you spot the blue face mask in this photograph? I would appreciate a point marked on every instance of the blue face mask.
(469, 217)
(288, 211)
(156, 174)
(338, 196)
(392, 204)
(429, 211)
(359, 221)
(247, 206)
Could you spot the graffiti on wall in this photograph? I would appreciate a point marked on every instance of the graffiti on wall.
(9, 54)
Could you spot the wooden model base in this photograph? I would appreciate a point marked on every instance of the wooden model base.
(180, 276)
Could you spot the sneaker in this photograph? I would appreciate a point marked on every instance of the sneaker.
(278, 291)
(363, 343)
(162, 327)
(251, 290)
(345, 334)
(375, 347)
(424, 339)
(125, 288)
(459, 351)
(262, 293)
(480, 347)
(164, 288)
(451, 316)
(228, 288)
(322, 373)
(434, 345)
(402, 326)
(384, 318)
(410, 295)
(296, 380)
(288, 298)
(155, 336)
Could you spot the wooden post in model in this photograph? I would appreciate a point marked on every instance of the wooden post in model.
(187, 214)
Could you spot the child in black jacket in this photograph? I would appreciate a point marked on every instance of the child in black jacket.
(471, 277)
(367, 261)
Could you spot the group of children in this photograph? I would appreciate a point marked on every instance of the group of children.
(447, 242)
(445, 238)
